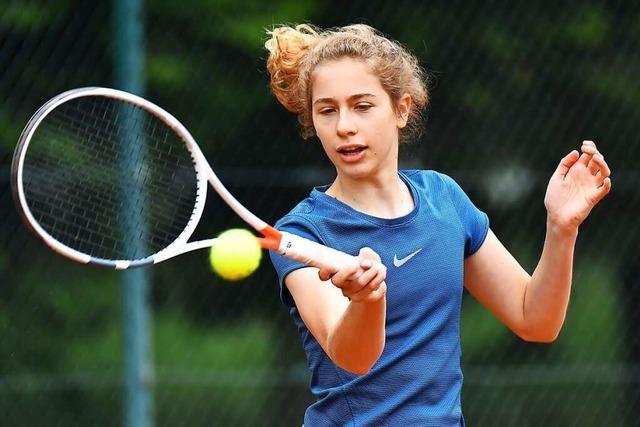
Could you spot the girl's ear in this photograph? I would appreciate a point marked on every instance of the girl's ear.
(403, 108)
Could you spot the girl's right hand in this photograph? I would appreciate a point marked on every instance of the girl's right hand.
(363, 281)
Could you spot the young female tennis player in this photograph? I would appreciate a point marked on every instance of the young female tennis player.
(382, 340)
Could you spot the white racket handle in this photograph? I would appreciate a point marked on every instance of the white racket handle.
(314, 254)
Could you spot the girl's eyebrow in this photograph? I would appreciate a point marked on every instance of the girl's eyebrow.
(351, 98)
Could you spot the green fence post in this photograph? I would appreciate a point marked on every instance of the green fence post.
(138, 366)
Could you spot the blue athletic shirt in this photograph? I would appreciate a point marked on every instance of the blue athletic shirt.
(418, 379)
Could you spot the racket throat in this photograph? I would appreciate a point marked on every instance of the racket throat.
(271, 239)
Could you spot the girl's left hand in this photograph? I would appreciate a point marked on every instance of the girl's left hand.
(577, 185)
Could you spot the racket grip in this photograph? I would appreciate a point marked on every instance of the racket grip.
(314, 254)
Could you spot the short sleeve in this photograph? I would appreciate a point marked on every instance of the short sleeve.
(474, 221)
(299, 226)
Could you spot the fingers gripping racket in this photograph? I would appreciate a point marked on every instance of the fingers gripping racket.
(108, 178)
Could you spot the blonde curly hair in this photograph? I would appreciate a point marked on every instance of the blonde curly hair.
(295, 51)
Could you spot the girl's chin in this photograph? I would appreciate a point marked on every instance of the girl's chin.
(356, 171)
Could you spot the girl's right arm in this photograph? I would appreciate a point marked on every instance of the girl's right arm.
(347, 314)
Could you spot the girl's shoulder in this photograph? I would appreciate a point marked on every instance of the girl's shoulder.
(428, 180)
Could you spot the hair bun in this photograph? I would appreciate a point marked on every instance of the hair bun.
(287, 48)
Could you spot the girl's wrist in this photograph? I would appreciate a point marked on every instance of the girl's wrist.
(561, 229)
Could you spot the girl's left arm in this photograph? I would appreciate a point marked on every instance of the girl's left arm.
(534, 306)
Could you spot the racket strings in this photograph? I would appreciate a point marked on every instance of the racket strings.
(109, 179)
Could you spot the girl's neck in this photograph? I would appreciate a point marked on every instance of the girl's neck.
(384, 196)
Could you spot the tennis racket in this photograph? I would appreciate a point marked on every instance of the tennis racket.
(108, 178)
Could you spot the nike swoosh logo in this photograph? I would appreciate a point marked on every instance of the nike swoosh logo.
(400, 262)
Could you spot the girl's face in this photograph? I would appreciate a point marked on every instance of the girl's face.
(355, 119)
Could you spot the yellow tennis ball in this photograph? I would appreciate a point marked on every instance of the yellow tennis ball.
(236, 254)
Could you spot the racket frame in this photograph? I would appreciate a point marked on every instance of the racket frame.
(292, 246)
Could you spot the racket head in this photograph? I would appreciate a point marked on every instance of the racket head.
(106, 177)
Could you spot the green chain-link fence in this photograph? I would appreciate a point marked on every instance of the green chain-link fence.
(515, 86)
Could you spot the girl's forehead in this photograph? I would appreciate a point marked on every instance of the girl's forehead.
(343, 77)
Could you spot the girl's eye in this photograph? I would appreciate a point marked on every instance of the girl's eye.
(327, 111)
(363, 107)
